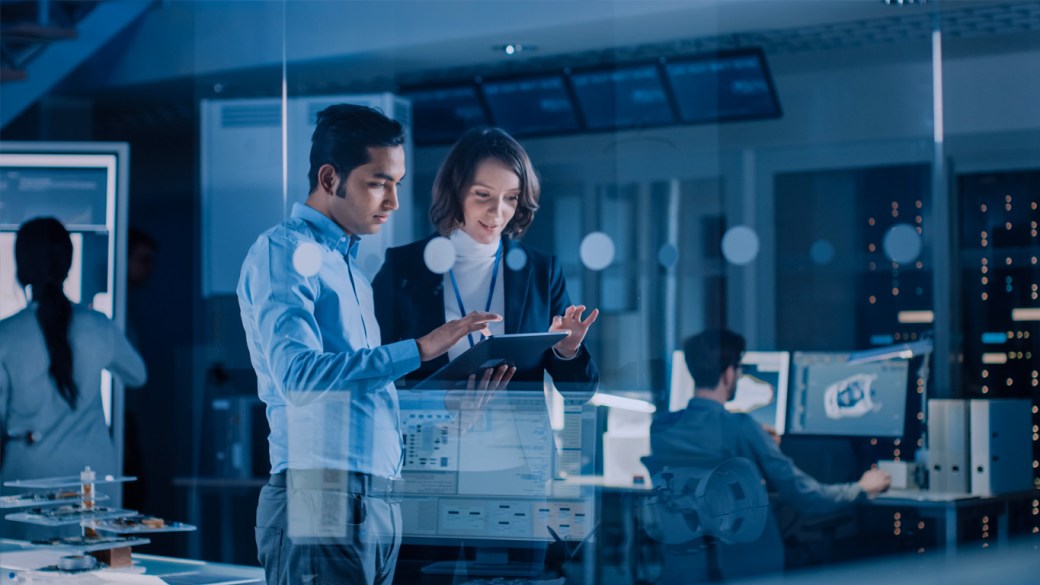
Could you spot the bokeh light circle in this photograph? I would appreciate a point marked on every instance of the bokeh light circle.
(821, 252)
(902, 243)
(668, 256)
(740, 245)
(306, 260)
(597, 251)
(516, 259)
(439, 255)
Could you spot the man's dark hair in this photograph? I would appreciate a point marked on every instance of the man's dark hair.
(710, 352)
(457, 171)
(344, 134)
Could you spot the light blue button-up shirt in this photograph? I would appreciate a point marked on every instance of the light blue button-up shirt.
(314, 342)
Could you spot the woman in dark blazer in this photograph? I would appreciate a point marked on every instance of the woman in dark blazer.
(484, 197)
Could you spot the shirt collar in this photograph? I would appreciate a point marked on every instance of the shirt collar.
(327, 231)
(706, 403)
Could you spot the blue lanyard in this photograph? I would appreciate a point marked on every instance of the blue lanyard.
(491, 291)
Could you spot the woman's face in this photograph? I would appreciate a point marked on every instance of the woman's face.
(489, 202)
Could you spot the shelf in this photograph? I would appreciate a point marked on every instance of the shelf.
(133, 525)
(90, 543)
(67, 515)
(45, 499)
(61, 482)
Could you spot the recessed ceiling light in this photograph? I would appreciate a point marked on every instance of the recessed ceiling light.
(514, 48)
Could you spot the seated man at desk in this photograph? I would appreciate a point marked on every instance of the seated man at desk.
(706, 432)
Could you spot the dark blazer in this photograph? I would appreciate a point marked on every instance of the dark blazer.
(409, 303)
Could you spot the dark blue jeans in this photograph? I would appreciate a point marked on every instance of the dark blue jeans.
(326, 537)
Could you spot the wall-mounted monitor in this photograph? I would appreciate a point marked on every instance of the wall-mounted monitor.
(531, 106)
(441, 115)
(622, 97)
(829, 396)
(723, 87)
(76, 186)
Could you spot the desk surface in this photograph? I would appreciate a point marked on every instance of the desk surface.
(600, 482)
(925, 496)
(147, 569)
(926, 499)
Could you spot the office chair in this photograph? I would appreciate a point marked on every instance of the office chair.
(712, 520)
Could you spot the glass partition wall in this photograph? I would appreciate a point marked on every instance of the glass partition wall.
(838, 183)
(796, 181)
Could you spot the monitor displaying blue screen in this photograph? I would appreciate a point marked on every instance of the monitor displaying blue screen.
(537, 105)
(828, 396)
(622, 98)
(733, 86)
(440, 116)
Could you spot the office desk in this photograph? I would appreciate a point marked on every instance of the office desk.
(18, 556)
(947, 506)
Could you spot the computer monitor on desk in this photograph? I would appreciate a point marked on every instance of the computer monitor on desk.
(487, 479)
(829, 396)
(761, 389)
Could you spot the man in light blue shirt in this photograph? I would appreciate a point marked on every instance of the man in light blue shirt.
(328, 514)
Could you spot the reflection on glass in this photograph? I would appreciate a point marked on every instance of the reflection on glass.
(597, 251)
(740, 245)
(439, 255)
(902, 243)
(307, 259)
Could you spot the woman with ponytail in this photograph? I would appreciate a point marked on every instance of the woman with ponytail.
(51, 357)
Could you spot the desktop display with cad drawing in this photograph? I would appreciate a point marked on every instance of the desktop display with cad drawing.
(831, 397)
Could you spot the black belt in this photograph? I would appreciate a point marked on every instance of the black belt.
(353, 482)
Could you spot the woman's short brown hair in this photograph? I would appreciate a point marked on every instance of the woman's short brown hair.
(456, 174)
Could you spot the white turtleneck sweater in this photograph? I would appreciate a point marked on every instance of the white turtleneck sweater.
(473, 263)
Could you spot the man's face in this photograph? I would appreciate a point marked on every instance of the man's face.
(365, 200)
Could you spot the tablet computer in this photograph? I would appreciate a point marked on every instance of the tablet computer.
(522, 350)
